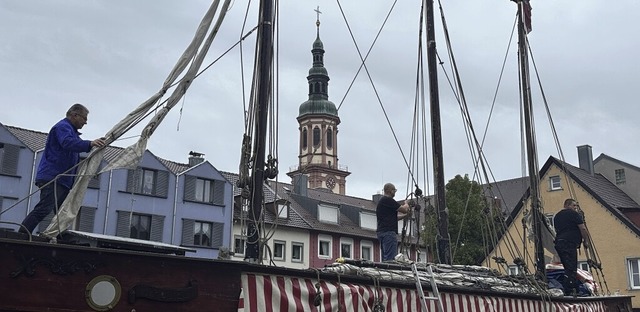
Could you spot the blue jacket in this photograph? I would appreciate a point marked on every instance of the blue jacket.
(61, 152)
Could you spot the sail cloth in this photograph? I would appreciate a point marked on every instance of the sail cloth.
(194, 55)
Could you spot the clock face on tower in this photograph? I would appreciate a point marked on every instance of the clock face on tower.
(330, 182)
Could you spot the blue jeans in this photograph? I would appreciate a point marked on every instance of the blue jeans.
(389, 244)
(51, 198)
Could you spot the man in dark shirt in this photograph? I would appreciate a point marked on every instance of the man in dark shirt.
(56, 170)
(570, 232)
(388, 212)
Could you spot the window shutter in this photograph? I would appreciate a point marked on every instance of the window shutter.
(45, 222)
(1, 202)
(187, 232)
(162, 184)
(218, 192)
(157, 227)
(190, 187)
(217, 230)
(87, 218)
(123, 228)
(131, 180)
(10, 161)
(94, 183)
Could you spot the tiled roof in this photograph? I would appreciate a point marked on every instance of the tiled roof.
(174, 167)
(509, 191)
(36, 140)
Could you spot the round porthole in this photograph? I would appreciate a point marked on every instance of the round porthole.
(103, 293)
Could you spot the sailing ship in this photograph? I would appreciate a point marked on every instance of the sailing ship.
(39, 275)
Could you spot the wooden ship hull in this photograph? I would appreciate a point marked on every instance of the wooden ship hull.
(41, 276)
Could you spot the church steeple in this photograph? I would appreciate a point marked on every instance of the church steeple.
(318, 125)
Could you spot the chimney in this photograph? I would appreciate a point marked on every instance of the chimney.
(300, 182)
(195, 158)
(585, 158)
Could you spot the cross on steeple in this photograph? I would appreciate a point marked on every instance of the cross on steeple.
(317, 10)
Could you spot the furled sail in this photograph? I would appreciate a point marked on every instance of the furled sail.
(193, 56)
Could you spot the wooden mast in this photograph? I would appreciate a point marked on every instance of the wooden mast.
(524, 26)
(262, 97)
(443, 244)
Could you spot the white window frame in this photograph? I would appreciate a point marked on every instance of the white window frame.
(620, 176)
(555, 183)
(633, 273)
(326, 239)
(514, 270)
(297, 245)
(346, 242)
(368, 220)
(366, 244)
(328, 214)
(283, 211)
(235, 247)
(281, 245)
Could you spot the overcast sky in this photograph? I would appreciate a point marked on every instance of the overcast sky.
(112, 55)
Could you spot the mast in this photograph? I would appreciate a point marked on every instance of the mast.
(262, 96)
(524, 27)
(443, 244)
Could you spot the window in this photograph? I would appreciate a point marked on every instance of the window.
(316, 136)
(9, 155)
(297, 252)
(324, 246)
(204, 190)
(583, 265)
(304, 138)
(278, 249)
(554, 183)
(283, 212)
(239, 245)
(368, 220)
(549, 217)
(620, 177)
(366, 248)
(346, 248)
(202, 233)
(329, 138)
(85, 219)
(327, 214)
(148, 182)
(634, 273)
(140, 226)
(514, 270)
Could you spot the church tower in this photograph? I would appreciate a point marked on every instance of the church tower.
(318, 125)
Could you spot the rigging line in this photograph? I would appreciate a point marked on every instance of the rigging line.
(362, 64)
(242, 78)
(375, 90)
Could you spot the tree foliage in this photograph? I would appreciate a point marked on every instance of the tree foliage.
(469, 221)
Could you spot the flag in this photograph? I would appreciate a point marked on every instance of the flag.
(526, 14)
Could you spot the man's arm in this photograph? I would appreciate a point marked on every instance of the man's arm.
(585, 235)
(403, 211)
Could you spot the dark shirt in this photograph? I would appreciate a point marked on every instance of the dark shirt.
(387, 214)
(566, 223)
(61, 152)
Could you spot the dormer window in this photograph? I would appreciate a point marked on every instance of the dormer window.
(327, 213)
(283, 211)
(368, 220)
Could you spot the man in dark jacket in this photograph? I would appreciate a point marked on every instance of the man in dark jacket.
(570, 232)
(57, 166)
(388, 212)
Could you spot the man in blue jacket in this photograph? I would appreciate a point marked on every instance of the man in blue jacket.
(57, 168)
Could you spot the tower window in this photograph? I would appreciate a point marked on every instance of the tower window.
(329, 138)
(304, 138)
(316, 136)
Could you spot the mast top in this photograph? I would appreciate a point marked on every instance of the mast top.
(318, 12)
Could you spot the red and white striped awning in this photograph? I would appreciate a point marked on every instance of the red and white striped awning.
(290, 294)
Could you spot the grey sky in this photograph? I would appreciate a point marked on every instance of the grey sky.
(112, 55)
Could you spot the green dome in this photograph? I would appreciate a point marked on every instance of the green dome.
(318, 106)
(318, 71)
